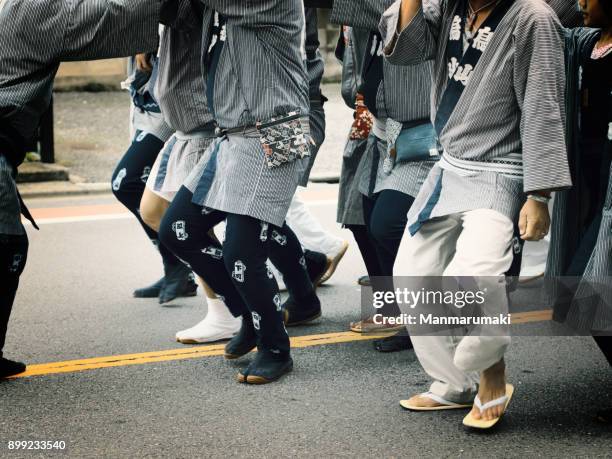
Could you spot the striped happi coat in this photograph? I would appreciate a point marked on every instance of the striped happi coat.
(261, 74)
(590, 308)
(505, 136)
(182, 98)
(402, 96)
(350, 208)
(35, 36)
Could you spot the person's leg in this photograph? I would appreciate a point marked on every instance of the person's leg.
(13, 256)
(128, 185)
(379, 282)
(313, 236)
(286, 254)
(428, 253)
(368, 253)
(218, 324)
(178, 278)
(484, 249)
(245, 254)
(184, 229)
(387, 226)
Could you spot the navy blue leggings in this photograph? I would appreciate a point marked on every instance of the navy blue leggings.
(13, 256)
(129, 180)
(386, 216)
(237, 271)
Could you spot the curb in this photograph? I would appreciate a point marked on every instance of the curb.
(63, 188)
(77, 188)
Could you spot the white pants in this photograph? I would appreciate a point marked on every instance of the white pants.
(309, 231)
(473, 243)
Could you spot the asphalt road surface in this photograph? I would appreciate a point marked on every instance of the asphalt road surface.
(141, 394)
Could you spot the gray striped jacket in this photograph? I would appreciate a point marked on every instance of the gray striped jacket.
(511, 110)
(402, 96)
(35, 36)
(261, 72)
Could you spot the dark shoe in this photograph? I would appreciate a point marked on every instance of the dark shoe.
(298, 313)
(266, 368)
(244, 342)
(364, 281)
(395, 343)
(179, 281)
(152, 291)
(317, 264)
(10, 368)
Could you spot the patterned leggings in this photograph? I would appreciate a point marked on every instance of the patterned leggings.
(237, 271)
(13, 256)
(130, 177)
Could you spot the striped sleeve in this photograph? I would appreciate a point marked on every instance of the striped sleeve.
(568, 12)
(417, 42)
(539, 81)
(36, 35)
(365, 16)
(101, 29)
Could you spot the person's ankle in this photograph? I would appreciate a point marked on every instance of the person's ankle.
(494, 375)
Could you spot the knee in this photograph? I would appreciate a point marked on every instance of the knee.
(379, 230)
(167, 231)
(151, 214)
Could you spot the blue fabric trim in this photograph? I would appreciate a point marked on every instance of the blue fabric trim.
(425, 214)
(163, 164)
(206, 180)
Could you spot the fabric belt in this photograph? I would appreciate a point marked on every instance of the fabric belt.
(201, 134)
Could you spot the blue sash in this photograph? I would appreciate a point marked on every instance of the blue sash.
(461, 65)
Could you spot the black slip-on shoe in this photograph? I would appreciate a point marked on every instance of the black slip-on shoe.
(179, 282)
(152, 291)
(396, 343)
(10, 368)
(302, 312)
(265, 368)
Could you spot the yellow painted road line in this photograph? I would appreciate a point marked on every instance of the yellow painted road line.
(212, 350)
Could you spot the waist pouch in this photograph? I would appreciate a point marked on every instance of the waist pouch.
(417, 143)
(285, 138)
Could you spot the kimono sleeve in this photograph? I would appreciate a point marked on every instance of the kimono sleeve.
(364, 14)
(417, 42)
(539, 76)
(101, 29)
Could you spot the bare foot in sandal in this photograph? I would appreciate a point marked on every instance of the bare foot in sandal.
(492, 387)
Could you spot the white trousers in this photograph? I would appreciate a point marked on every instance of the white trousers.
(473, 243)
(309, 231)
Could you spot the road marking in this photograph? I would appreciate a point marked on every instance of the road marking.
(101, 212)
(213, 350)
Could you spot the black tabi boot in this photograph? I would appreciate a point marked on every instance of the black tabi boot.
(244, 342)
(178, 281)
(298, 312)
(267, 367)
(152, 291)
